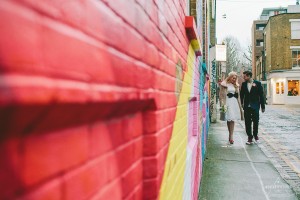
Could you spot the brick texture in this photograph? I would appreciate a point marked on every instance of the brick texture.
(279, 57)
(87, 96)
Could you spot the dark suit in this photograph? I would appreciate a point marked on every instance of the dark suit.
(252, 101)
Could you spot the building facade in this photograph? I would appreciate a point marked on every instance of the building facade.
(212, 65)
(259, 70)
(258, 40)
(103, 99)
(282, 58)
(257, 45)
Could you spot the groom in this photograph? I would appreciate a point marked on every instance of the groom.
(252, 99)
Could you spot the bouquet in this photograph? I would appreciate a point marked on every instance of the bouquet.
(222, 113)
(224, 109)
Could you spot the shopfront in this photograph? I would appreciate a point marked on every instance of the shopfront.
(284, 87)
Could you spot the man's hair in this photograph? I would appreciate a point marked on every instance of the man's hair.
(248, 73)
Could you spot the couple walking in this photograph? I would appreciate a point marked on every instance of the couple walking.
(240, 104)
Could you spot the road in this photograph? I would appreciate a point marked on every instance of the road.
(279, 130)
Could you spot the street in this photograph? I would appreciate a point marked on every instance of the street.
(280, 140)
(239, 171)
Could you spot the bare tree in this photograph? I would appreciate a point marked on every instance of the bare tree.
(233, 49)
(247, 55)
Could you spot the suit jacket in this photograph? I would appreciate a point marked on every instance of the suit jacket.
(254, 98)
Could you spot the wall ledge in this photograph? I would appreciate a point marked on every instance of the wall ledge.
(191, 30)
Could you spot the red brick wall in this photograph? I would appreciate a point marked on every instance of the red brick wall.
(87, 96)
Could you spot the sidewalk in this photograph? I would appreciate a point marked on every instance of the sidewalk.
(239, 171)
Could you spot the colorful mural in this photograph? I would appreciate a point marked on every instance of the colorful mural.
(111, 110)
(187, 145)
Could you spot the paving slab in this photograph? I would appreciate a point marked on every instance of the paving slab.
(239, 171)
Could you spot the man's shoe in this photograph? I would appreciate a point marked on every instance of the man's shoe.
(249, 142)
(256, 139)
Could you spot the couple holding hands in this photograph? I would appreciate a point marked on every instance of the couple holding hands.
(240, 104)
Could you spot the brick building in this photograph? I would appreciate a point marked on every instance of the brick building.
(103, 99)
(258, 40)
(282, 58)
(257, 45)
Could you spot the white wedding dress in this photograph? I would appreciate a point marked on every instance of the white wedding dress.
(233, 109)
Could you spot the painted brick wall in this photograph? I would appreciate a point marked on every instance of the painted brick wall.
(90, 94)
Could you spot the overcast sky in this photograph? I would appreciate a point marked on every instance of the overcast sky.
(240, 15)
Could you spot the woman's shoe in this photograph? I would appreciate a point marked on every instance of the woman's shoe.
(231, 141)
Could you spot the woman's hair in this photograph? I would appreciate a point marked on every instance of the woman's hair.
(230, 75)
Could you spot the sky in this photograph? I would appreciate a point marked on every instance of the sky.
(240, 15)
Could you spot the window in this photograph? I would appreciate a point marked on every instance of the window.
(279, 88)
(295, 28)
(293, 87)
(295, 58)
(259, 43)
(260, 27)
